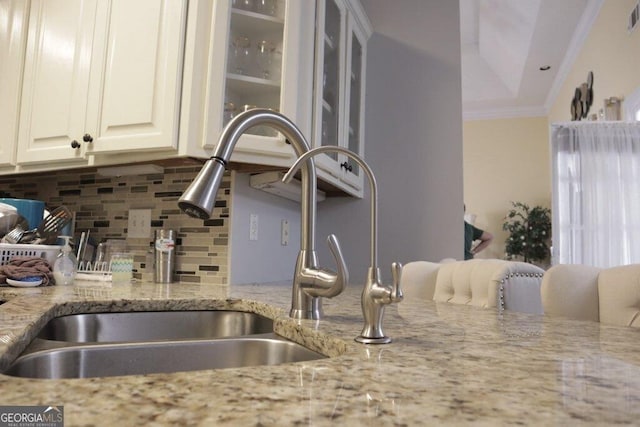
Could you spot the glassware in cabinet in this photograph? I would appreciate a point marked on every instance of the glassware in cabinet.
(254, 62)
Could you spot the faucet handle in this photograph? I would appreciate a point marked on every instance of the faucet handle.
(342, 275)
(396, 273)
(327, 283)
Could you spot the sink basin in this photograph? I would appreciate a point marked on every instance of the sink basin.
(154, 325)
(105, 360)
(136, 343)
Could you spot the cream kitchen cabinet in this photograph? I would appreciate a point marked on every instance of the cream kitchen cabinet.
(100, 76)
(341, 38)
(316, 78)
(115, 81)
(13, 37)
(262, 57)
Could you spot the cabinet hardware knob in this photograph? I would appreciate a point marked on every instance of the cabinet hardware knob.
(87, 138)
(347, 166)
(75, 144)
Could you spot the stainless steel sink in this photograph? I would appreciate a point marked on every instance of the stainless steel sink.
(154, 325)
(105, 360)
(136, 343)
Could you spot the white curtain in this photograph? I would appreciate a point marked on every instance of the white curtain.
(596, 193)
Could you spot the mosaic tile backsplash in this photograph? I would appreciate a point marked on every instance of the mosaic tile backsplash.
(101, 206)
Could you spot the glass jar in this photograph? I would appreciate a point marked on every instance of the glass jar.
(245, 4)
(265, 51)
(241, 55)
(266, 7)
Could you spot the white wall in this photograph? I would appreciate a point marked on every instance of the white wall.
(413, 140)
(263, 260)
(413, 144)
(611, 53)
(505, 160)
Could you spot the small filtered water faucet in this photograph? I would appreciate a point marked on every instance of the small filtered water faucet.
(310, 282)
(375, 295)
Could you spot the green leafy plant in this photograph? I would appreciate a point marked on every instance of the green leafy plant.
(529, 232)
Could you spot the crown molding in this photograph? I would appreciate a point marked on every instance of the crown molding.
(505, 113)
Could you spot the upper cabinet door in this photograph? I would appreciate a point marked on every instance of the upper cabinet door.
(262, 58)
(13, 37)
(100, 77)
(329, 80)
(342, 32)
(136, 73)
(354, 101)
(56, 80)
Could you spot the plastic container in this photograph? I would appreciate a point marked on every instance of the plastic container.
(31, 210)
(48, 252)
(66, 265)
(121, 266)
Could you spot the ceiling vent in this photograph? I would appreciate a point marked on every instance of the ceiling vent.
(634, 17)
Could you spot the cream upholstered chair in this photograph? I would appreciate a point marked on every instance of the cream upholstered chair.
(481, 282)
(610, 296)
(571, 291)
(418, 279)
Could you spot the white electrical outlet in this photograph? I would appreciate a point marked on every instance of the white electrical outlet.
(139, 223)
(253, 227)
(284, 232)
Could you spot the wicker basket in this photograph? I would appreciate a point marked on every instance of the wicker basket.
(48, 252)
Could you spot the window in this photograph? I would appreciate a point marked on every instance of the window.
(632, 107)
(596, 193)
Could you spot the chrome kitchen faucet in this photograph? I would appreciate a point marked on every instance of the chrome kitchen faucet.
(310, 282)
(375, 295)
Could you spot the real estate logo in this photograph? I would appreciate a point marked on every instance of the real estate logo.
(31, 416)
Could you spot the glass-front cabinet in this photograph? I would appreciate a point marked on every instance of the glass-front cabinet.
(260, 63)
(341, 36)
(354, 115)
(329, 84)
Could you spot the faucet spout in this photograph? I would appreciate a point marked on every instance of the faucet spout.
(309, 282)
(375, 295)
(199, 198)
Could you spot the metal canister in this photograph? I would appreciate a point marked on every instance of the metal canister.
(164, 256)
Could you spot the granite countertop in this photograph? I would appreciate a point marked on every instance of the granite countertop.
(448, 364)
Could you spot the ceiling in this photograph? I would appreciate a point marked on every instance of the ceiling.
(505, 42)
(503, 45)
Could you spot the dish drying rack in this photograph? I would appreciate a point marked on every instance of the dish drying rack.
(98, 271)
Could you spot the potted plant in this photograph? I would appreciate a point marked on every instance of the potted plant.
(529, 232)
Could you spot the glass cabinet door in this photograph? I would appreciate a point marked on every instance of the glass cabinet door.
(354, 99)
(339, 89)
(254, 60)
(274, 55)
(329, 84)
(258, 49)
